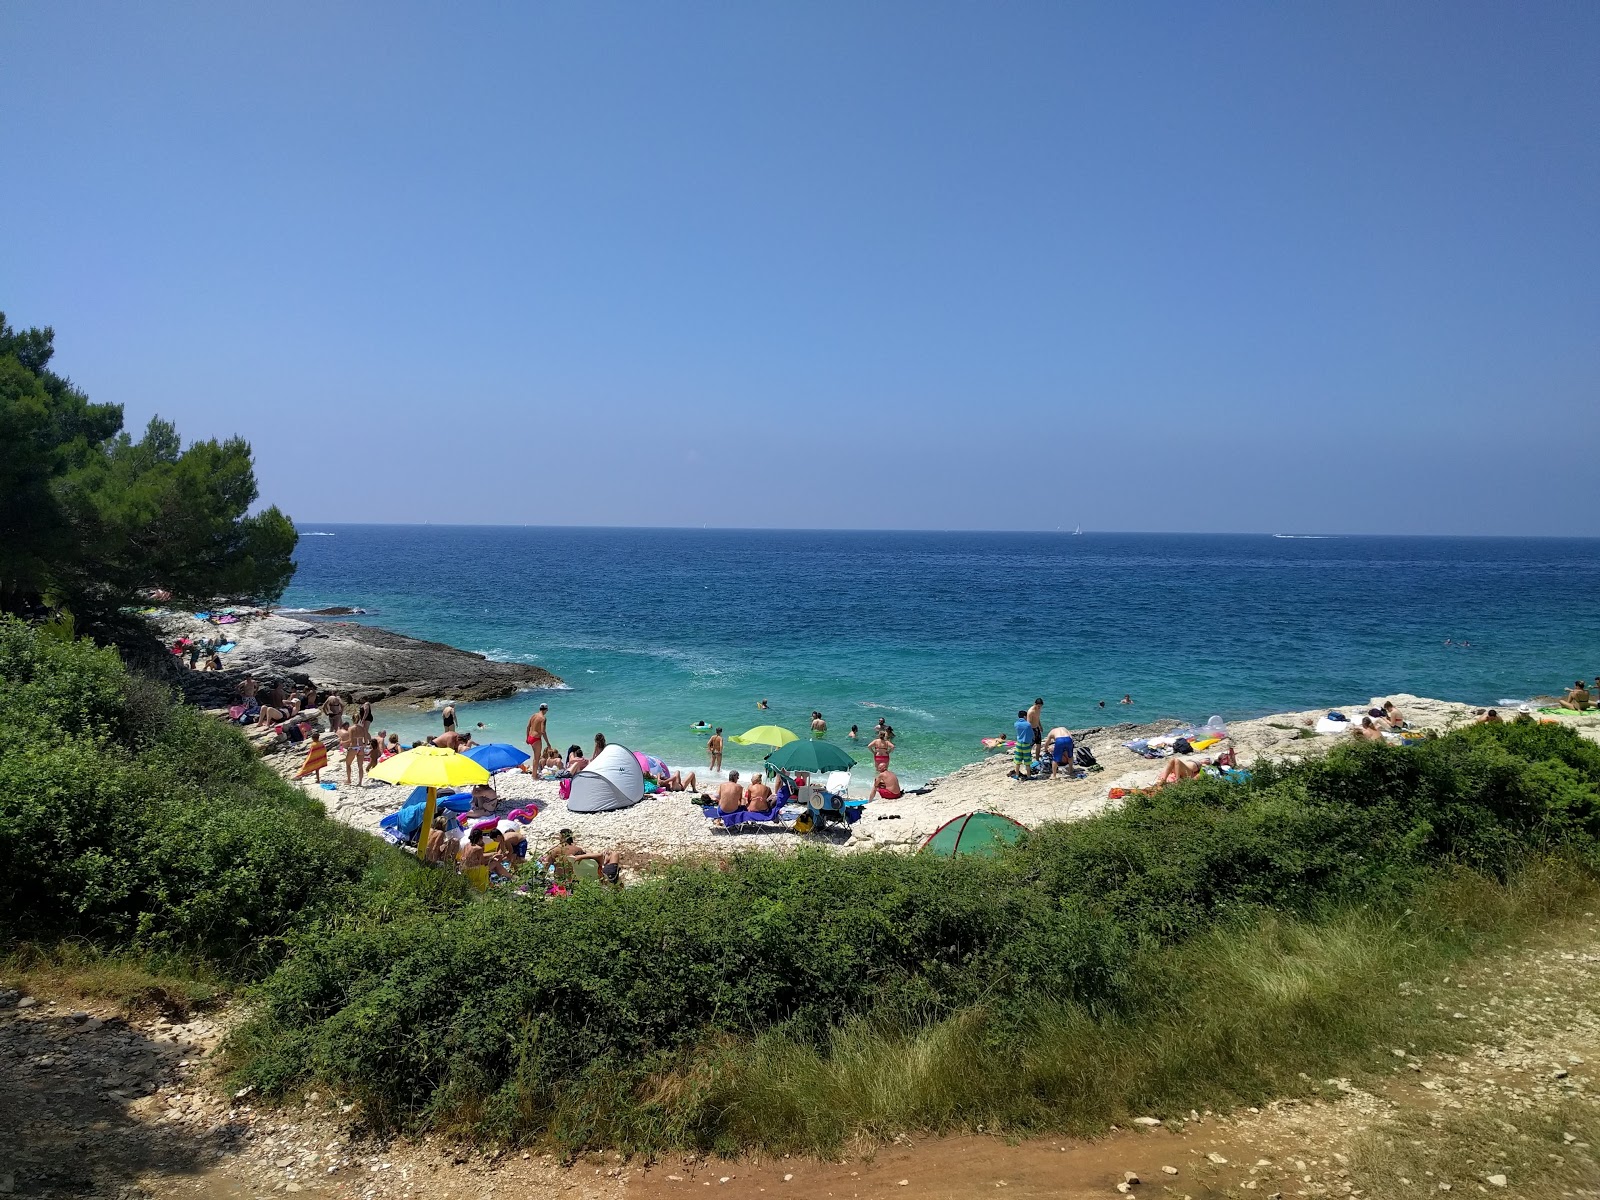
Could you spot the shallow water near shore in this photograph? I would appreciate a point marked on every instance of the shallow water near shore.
(946, 635)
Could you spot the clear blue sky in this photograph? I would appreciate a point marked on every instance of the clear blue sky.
(1276, 267)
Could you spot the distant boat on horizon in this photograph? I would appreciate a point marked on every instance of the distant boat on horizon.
(1077, 531)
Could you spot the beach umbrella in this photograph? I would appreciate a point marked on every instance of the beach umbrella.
(497, 756)
(765, 735)
(432, 767)
(809, 756)
(979, 833)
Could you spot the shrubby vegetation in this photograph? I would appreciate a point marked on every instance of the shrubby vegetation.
(651, 1016)
(129, 819)
(1190, 948)
(92, 520)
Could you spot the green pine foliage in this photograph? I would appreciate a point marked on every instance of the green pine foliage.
(92, 520)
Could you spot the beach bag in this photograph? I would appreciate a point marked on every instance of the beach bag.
(1182, 746)
(1084, 757)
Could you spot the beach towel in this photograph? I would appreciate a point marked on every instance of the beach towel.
(316, 759)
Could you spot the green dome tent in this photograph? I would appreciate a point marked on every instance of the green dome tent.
(973, 833)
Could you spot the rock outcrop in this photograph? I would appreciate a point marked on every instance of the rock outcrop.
(358, 661)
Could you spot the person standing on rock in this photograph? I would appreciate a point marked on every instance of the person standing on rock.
(333, 709)
(537, 741)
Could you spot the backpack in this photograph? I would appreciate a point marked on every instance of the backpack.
(1182, 746)
(1084, 757)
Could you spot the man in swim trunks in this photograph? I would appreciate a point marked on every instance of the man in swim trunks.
(451, 740)
(730, 796)
(536, 739)
(1036, 721)
(758, 796)
(881, 748)
(1022, 755)
(1060, 743)
(714, 749)
(886, 785)
(819, 727)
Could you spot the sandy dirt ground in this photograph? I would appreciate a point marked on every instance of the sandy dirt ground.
(99, 1103)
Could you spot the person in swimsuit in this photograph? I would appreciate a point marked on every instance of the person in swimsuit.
(451, 740)
(536, 727)
(819, 727)
(886, 785)
(355, 751)
(448, 715)
(333, 709)
(881, 748)
(1036, 722)
(1022, 753)
(714, 750)
(758, 796)
(730, 796)
(855, 734)
(575, 760)
(1060, 742)
(1578, 699)
(762, 705)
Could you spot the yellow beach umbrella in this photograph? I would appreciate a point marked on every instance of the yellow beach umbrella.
(765, 735)
(432, 767)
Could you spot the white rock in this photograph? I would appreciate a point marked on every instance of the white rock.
(1147, 1121)
(1495, 1180)
(1217, 1158)
(1169, 1170)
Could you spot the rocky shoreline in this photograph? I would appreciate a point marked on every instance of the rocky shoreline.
(360, 662)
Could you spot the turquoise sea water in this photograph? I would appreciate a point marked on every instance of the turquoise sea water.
(946, 635)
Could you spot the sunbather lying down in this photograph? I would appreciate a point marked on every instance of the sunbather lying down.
(1177, 769)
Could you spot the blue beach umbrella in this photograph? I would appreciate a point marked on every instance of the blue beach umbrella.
(497, 756)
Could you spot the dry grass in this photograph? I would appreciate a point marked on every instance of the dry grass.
(77, 972)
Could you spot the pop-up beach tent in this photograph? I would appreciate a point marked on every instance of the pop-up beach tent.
(613, 780)
(973, 833)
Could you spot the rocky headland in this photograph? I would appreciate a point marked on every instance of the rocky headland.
(358, 661)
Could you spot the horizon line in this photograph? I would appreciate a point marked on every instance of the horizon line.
(1296, 536)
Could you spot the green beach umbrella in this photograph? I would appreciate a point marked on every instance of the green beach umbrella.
(765, 735)
(981, 833)
(810, 756)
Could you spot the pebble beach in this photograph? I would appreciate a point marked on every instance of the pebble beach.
(671, 824)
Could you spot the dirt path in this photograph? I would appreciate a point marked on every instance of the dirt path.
(92, 1105)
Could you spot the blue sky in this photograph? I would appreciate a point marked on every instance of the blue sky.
(1288, 268)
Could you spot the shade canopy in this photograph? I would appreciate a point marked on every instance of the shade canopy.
(613, 780)
(765, 735)
(429, 766)
(497, 756)
(979, 833)
(810, 756)
(651, 765)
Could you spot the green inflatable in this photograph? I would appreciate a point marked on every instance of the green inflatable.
(973, 833)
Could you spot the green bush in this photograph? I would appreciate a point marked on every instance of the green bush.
(130, 819)
(518, 1016)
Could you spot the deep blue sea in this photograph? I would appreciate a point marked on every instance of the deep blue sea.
(946, 635)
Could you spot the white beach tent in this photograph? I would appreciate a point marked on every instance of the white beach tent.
(613, 780)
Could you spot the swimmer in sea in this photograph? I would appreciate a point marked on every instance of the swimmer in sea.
(762, 705)
(1128, 699)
